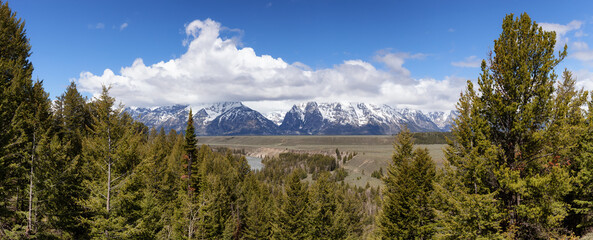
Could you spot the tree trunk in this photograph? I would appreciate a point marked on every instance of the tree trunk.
(189, 191)
(189, 195)
(108, 171)
(29, 222)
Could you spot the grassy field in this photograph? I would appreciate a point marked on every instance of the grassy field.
(372, 152)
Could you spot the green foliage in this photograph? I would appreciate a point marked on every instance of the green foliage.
(276, 168)
(112, 153)
(16, 88)
(516, 136)
(462, 214)
(431, 137)
(407, 209)
(519, 165)
(377, 173)
(292, 217)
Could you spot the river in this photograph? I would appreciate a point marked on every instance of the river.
(254, 162)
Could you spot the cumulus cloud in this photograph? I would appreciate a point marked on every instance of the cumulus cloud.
(469, 62)
(123, 26)
(585, 56)
(579, 46)
(216, 69)
(584, 79)
(562, 30)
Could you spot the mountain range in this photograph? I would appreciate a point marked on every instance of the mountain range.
(311, 118)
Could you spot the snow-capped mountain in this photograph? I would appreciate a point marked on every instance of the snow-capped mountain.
(277, 117)
(311, 118)
(168, 117)
(241, 120)
(444, 120)
(353, 118)
(175, 117)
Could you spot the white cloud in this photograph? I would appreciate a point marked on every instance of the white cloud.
(470, 62)
(216, 69)
(96, 26)
(579, 46)
(562, 30)
(580, 33)
(584, 56)
(584, 79)
(582, 52)
(123, 26)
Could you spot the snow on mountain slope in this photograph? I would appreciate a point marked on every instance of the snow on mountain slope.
(277, 117)
(353, 118)
(444, 120)
(233, 118)
(175, 117)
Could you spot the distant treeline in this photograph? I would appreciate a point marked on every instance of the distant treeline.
(432, 137)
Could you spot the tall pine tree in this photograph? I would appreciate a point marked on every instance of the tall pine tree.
(17, 143)
(291, 219)
(503, 134)
(407, 208)
(111, 154)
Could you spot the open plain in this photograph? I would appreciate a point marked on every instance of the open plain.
(371, 152)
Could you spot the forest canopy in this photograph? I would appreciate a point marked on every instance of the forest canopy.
(519, 165)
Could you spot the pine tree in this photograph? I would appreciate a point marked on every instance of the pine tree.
(258, 212)
(190, 152)
(72, 118)
(504, 130)
(407, 209)
(111, 154)
(465, 209)
(580, 143)
(63, 176)
(323, 209)
(291, 219)
(16, 87)
(218, 192)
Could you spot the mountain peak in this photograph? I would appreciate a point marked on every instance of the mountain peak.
(234, 118)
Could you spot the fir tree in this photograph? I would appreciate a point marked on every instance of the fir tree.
(16, 87)
(291, 219)
(407, 209)
(111, 154)
(323, 209)
(258, 214)
(190, 153)
(504, 130)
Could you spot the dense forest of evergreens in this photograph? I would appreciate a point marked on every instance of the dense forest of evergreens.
(519, 165)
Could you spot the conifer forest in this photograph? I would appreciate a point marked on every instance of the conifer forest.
(519, 164)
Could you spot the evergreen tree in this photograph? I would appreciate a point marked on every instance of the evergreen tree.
(111, 153)
(16, 88)
(191, 176)
(64, 167)
(504, 130)
(581, 199)
(291, 218)
(218, 186)
(190, 153)
(323, 209)
(258, 214)
(407, 209)
(465, 208)
(72, 119)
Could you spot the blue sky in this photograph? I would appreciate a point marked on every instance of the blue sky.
(272, 54)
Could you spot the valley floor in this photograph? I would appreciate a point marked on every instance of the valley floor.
(371, 152)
